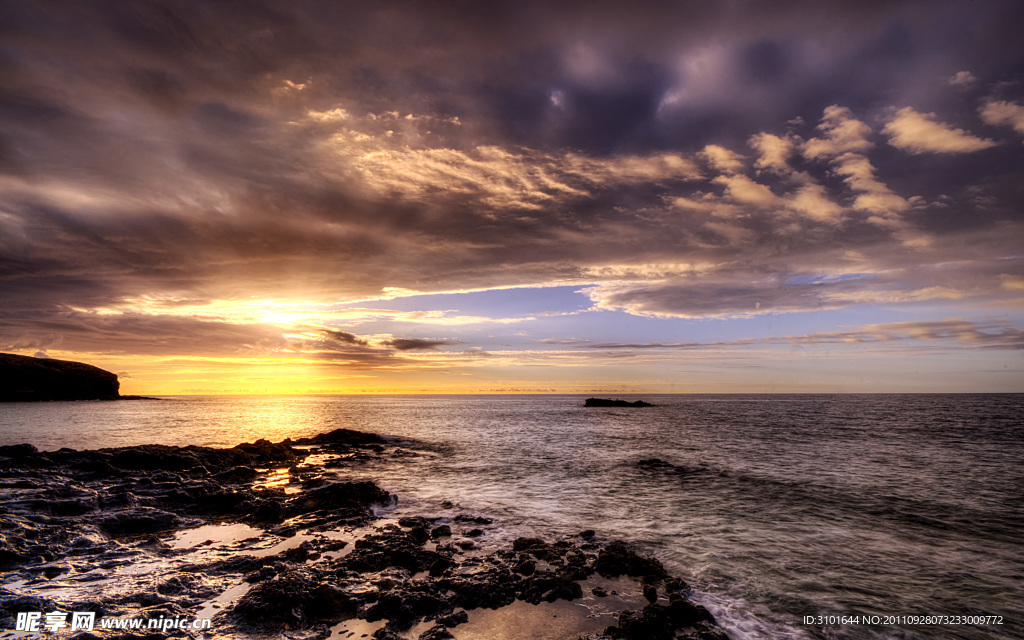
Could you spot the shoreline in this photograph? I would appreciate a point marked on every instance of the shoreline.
(295, 547)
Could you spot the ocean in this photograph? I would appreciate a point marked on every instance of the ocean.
(791, 516)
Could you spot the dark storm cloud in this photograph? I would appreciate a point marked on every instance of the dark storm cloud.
(410, 344)
(134, 334)
(232, 151)
(343, 336)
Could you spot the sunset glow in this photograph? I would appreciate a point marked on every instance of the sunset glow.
(314, 197)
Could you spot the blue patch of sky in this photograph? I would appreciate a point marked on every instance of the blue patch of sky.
(596, 327)
(495, 303)
(827, 278)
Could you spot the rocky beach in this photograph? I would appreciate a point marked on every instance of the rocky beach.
(274, 540)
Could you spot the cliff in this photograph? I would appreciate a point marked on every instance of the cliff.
(25, 379)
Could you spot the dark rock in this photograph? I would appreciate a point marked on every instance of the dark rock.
(686, 614)
(599, 592)
(549, 587)
(351, 498)
(454, 619)
(617, 559)
(139, 521)
(436, 632)
(23, 378)
(419, 534)
(603, 402)
(650, 593)
(237, 474)
(525, 567)
(411, 522)
(441, 532)
(342, 436)
(473, 533)
(18, 451)
(652, 623)
(295, 598)
(393, 548)
(522, 544)
(472, 519)
(706, 631)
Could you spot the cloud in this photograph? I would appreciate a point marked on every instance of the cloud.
(962, 79)
(412, 344)
(965, 333)
(812, 201)
(843, 134)
(1003, 112)
(179, 176)
(744, 190)
(780, 287)
(773, 152)
(919, 133)
(722, 159)
(343, 336)
(952, 332)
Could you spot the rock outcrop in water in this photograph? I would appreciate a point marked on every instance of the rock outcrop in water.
(603, 402)
(27, 379)
(71, 520)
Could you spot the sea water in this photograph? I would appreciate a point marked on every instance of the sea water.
(791, 516)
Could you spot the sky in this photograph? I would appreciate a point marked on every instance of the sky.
(500, 197)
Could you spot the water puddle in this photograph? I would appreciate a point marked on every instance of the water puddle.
(213, 534)
(228, 597)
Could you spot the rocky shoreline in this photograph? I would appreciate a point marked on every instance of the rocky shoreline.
(271, 540)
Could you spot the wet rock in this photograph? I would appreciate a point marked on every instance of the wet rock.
(412, 522)
(436, 632)
(650, 593)
(403, 608)
(70, 507)
(473, 533)
(393, 548)
(264, 573)
(139, 521)
(652, 623)
(294, 599)
(344, 437)
(472, 519)
(706, 631)
(454, 619)
(237, 474)
(352, 499)
(18, 451)
(618, 558)
(522, 544)
(686, 613)
(548, 587)
(419, 535)
(599, 592)
(525, 567)
(441, 532)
